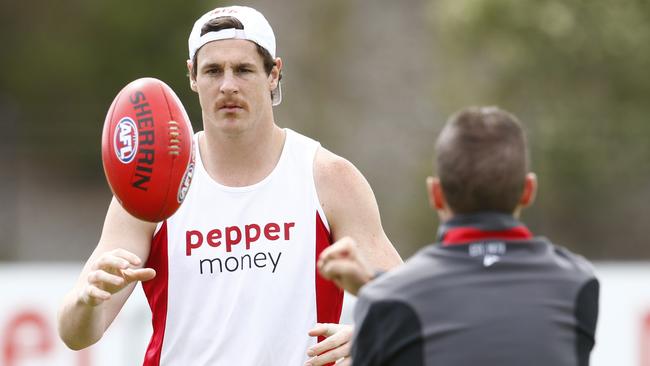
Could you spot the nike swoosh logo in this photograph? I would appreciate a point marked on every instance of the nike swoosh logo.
(489, 260)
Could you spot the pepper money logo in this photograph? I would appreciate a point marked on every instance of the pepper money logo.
(125, 140)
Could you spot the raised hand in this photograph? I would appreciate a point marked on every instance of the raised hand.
(110, 273)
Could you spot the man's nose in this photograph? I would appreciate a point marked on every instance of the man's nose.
(229, 83)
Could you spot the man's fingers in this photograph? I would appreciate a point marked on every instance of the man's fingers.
(110, 273)
(93, 295)
(100, 278)
(336, 334)
(344, 362)
(102, 284)
(336, 250)
(336, 346)
(108, 262)
(347, 275)
(141, 274)
(337, 268)
(320, 330)
(117, 259)
(120, 263)
(128, 256)
(331, 356)
(342, 248)
(98, 293)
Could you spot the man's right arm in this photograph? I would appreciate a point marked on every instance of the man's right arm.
(107, 279)
(388, 333)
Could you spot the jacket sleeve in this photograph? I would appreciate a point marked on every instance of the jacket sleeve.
(586, 313)
(388, 333)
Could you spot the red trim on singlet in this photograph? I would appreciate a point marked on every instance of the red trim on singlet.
(329, 298)
(156, 292)
(464, 235)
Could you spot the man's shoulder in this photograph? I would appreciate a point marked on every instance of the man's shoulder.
(333, 173)
(572, 262)
(329, 164)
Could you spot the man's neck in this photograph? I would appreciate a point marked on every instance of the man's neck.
(244, 159)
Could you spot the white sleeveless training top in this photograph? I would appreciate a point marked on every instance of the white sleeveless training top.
(236, 280)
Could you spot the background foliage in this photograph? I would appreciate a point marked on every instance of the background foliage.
(373, 80)
(573, 71)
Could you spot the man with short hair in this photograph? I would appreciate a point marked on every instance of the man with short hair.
(231, 277)
(488, 292)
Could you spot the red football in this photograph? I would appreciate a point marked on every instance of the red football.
(147, 149)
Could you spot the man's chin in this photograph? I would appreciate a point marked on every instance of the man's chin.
(231, 126)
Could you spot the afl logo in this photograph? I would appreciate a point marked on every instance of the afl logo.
(187, 179)
(125, 140)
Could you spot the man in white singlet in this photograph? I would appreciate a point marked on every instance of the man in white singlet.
(231, 277)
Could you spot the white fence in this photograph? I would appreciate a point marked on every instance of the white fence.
(30, 293)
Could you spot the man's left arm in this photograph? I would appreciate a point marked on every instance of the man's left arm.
(352, 211)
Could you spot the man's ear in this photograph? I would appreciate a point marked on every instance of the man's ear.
(437, 199)
(191, 75)
(530, 191)
(275, 73)
(436, 196)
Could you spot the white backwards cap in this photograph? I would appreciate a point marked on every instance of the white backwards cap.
(256, 29)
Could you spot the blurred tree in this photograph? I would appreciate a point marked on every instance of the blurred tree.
(67, 61)
(572, 70)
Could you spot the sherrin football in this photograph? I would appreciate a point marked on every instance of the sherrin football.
(147, 149)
